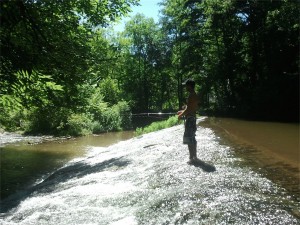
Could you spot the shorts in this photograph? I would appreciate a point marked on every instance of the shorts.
(190, 131)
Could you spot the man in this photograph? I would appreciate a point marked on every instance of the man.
(190, 119)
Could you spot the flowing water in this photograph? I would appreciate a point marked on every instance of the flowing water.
(26, 160)
(146, 180)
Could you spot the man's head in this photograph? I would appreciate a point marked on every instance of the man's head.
(189, 84)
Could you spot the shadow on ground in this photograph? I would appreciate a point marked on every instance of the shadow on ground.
(203, 165)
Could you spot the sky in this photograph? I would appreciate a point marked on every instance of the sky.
(149, 8)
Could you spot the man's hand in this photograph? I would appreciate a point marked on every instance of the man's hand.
(179, 113)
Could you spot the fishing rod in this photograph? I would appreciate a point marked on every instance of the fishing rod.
(159, 115)
(151, 114)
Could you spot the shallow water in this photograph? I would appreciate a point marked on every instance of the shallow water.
(146, 180)
(26, 160)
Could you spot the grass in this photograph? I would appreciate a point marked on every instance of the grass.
(172, 121)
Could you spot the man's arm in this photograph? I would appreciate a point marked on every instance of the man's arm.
(191, 107)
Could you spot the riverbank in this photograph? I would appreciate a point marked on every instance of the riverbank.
(15, 138)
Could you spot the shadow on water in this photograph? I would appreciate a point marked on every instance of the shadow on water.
(203, 165)
(76, 170)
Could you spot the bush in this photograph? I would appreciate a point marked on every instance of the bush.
(13, 120)
(94, 116)
(97, 127)
(48, 120)
(59, 121)
(108, 118)
(79, 124)
(125, 114)
(113, 118)
(172, 121)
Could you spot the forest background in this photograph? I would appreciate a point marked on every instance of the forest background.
(64, 73)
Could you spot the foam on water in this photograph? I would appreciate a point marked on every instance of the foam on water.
(146, 180)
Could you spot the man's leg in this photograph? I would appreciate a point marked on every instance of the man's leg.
(189, 135)
(193, 150)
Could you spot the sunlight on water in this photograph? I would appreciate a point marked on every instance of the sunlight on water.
(146, 180)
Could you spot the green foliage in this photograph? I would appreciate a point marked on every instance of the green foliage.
(13, 119)
(244, 54)
(124, 112)
(172, 121)
(51, 51)
(61, 73)
(149, 66)
(19, 100)
(113, 118)
(63, 121)
(109, 90)
(48, 120)
(28, 89)
(108, 118)
(79, 124)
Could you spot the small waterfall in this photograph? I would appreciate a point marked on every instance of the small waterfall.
(146, 180)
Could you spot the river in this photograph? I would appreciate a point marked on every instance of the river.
(146, 180)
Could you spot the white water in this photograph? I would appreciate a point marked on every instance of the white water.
(146, 180)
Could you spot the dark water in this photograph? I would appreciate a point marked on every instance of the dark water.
(146, 180)
(26, 162)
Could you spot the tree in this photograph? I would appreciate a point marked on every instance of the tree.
(52, 39)
(144, 61)
(240, 52)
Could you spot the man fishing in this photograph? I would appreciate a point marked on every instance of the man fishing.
(189, 113)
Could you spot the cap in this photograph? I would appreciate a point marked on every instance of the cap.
(190, 82)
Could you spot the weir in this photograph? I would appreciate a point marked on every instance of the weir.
(146, 180)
